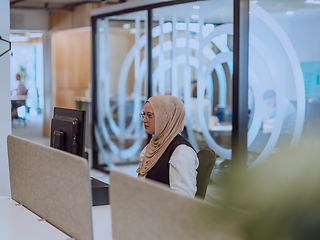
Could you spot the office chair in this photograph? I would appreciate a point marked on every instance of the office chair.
(207, 159)
(14, 110)
(184, 133)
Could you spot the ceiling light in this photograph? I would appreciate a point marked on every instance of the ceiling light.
(312, 1)
(126, 26)
(289, 13)
(35, 35)
(195, 16)
(18, 38)
(254, 2)
(133, 31)
(196, 7)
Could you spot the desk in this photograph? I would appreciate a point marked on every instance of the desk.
(221, 128)
(222, 135)
(101, 221)
(16, 102)
(266, 128)
(18, 97)
(17, 223)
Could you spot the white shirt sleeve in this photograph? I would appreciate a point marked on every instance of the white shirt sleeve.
(143, 152)
(183, 170)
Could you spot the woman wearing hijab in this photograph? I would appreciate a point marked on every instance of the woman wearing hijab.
(168, 158)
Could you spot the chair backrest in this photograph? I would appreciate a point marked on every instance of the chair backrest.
(207, 159)
(184, 132)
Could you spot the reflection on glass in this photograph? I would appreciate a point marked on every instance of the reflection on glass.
(192, 50)
(26, 61)
(121, 74)
(281, 74)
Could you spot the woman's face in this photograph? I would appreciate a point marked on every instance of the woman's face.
(149, 125)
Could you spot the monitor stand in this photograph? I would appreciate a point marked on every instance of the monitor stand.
(99, 190)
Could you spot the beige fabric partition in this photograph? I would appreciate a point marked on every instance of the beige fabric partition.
(53, 184)
(144, 209)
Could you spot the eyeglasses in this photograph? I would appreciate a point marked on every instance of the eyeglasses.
(147, 116)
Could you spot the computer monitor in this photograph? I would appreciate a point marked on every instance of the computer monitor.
(68, 130)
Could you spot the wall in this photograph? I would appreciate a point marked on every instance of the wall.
(71, 66)
(25, 19)
(47, 110)
(304, 34)
(5, 118)
(22, 19)
(79, 17)
(120, 44)
(302, 29)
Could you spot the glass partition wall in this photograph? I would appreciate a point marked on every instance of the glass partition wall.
(283, 77)
(120, 87)
(187, 52)
(192, 59)
(249, 81)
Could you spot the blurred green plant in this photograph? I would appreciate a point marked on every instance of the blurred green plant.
(23, 72)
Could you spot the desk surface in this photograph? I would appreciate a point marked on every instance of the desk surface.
(267, 128)
(17, 222)
(101, 221)
(18, 97)
(221, 128)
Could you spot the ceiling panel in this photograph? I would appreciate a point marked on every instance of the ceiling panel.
(54, 5)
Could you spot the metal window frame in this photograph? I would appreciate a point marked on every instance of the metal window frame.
(240, 85)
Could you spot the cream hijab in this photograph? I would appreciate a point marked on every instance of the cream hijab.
(169, 115)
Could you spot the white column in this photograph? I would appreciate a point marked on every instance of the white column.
(5, 112)
(47, 110)
(174, 77)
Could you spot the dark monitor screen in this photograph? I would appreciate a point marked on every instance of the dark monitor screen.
(68, 130)
(312, 118)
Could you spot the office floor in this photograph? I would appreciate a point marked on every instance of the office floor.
(33, 131)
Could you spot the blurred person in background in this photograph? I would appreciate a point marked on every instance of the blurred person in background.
(289, 119)
(21, 89)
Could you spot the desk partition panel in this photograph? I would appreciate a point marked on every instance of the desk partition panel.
(53, 184)
(144, 209)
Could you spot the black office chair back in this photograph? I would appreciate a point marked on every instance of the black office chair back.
(207, 159)
(184, 133)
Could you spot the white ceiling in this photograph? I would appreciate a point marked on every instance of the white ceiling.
(287, 5)
(54, 5)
